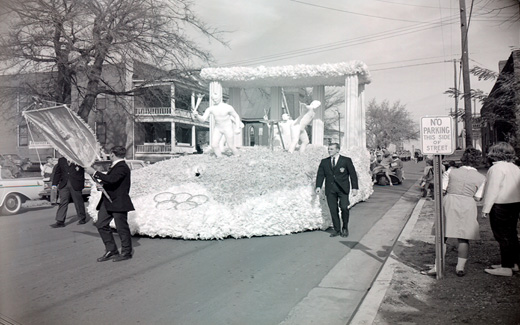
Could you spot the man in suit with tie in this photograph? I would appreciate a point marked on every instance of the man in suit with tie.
(115, 204)
(338, 172)
(69, 178)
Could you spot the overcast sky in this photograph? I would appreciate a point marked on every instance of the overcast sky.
(408, 45)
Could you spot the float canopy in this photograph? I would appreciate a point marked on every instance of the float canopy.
(288, 76)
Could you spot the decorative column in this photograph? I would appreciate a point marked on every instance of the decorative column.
(363, 119)
(352, 136)
(172, 98)
(173, 140)
(318, 128)
(193, 137)
(234, 100)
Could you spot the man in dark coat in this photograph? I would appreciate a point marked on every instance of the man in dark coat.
(338, 173)
(69, 178)
(116, 183)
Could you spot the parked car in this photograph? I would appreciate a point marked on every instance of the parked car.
(101, 166)
(453, 159)
(14, 192)
(19, 163)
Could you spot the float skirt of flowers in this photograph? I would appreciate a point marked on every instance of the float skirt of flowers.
(257, 193)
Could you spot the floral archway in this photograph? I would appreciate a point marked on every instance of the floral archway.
(353, 75)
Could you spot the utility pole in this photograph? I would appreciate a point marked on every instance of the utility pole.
(468, 125)
(456, 104)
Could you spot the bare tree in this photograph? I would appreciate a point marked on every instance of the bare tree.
(74, 38)
(389, 124)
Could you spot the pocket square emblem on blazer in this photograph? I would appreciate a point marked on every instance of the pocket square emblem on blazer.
(342, 170)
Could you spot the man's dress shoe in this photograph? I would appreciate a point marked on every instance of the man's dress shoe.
(120, 258)
(108, 256)
(82, 222)
(334, 234)
(58, 225)
(344, 233)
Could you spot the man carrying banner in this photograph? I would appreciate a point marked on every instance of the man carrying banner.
(69, 178)
(115, 205)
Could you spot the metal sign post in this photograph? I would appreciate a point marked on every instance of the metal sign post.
(437, 138)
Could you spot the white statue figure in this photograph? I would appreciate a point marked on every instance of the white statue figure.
(227, 123)
(296, 128)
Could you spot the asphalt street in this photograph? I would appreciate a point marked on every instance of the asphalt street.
(50, 276)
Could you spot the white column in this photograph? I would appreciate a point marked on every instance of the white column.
(172, 131)
(363, 120)
(351, 137)
(193, 136)
(318, 128)
(172, 97)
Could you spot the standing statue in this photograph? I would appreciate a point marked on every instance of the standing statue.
(295, 129)
(227, 123)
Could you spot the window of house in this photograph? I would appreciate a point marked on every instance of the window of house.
(101, 103)
(183, 133)
(23, 138)
(182, 98)
(101, 132)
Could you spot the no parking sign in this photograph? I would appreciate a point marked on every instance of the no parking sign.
(437, 135)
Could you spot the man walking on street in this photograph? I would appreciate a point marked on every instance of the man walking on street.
(338, 172)
(69, 178)
(116, 183)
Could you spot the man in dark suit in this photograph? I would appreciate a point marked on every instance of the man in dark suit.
(338, 173)
(69, 178)
(116, 183)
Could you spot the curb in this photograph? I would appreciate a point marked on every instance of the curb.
(369, 307)
(337, 298)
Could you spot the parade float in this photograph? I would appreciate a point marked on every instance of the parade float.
(252, 191)
(240, 191)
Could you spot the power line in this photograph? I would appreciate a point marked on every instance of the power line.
(409, 65)
(407, 4)
(341, 44)
(354, 13)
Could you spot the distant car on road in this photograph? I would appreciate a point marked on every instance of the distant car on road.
(100, 166)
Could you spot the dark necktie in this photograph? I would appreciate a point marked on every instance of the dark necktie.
(333, 162)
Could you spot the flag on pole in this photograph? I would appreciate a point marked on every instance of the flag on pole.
(66, 132)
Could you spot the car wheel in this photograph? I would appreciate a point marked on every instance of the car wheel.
(12, 204)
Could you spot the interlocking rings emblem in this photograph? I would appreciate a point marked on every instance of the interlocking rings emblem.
(179, 201)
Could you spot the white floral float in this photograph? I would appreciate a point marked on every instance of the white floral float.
(257, 193)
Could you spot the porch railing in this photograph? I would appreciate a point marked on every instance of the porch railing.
(153, 111)
(153, 148)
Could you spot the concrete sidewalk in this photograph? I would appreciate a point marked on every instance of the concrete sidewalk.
(336, 299)
(368, 309)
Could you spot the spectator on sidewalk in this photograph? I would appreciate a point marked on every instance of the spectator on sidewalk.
(384, 166)
(502, 205)
(460, 209)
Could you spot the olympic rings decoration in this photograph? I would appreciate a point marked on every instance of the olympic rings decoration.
(179, 201)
